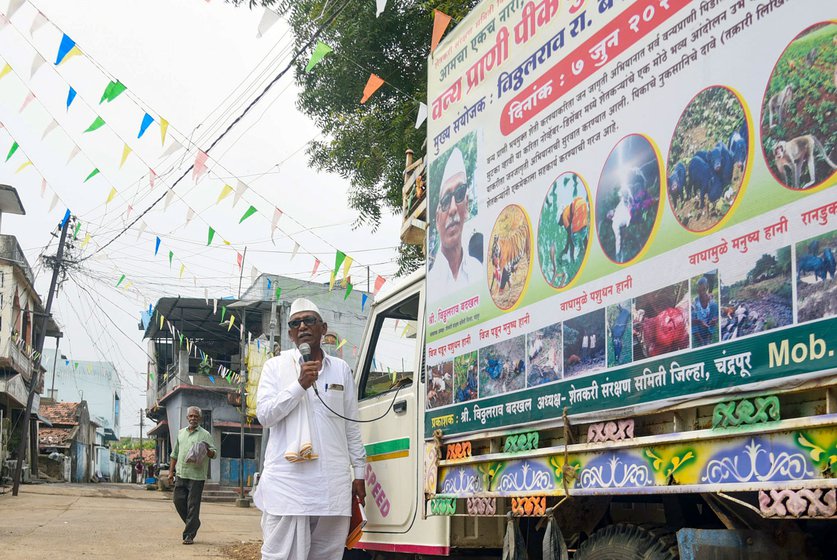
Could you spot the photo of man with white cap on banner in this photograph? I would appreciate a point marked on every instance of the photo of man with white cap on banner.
(458, 268)
(315, 461)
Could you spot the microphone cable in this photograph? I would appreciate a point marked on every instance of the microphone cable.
(400, 385)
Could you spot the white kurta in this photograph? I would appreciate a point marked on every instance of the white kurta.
(441, 277)
(321, 486)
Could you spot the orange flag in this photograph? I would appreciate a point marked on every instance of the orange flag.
(440, 23)
(372, 86)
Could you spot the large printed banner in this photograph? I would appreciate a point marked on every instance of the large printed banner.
(623, 197)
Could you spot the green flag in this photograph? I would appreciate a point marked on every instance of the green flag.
(250, 211)
(348, 291)
(338, 260)
(278, 292)
(121, 279)
(75, 233)
(112, 91)
(211, 235)
(319, 53)
(92, 174)
(98, 123)
(223, 312)
(12, 151)
(171, 254)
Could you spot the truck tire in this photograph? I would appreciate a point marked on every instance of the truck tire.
(629, 542)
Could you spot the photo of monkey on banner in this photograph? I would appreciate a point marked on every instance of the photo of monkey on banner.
(661, 321)
(509, 256)
(816, 290)
(563, 230)
(756, 293)
(707, 158)
(798, 122)
(628, 198)
(503, 367)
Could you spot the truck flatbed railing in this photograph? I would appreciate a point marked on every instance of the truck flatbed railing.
(414, 201)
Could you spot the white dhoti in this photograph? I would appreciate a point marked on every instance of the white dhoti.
(303, 537)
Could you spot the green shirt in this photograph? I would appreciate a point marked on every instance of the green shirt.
(185, 441)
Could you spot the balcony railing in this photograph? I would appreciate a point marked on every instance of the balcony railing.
(10, 251)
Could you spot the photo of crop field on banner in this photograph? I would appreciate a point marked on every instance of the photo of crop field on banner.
(630, 204)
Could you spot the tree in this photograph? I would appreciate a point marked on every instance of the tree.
(366, 143)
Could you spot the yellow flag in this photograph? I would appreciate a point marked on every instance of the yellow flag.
(70, 54)
(128, 285)
(125, 151)
(6, 69)
(111, 195)
(232, 322)
(182, 269)
(161, 320)
(342, 342)
(225, 192)
(226, 242)
(331, 280)
(164, 126)
(23, 166)
(346, 265)
(87, 239)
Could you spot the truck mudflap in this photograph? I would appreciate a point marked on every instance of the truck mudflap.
(788, 462)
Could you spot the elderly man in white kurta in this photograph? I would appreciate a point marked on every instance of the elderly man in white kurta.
(315, 460)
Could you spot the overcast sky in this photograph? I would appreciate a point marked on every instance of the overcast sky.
(185, 60)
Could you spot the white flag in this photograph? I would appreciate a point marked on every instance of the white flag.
(141, 229)
(14, 6)
(206, 295)
(240, 188)
(380, 6)
(189, 215)
(50, 127)
(269, 19)
(169, 197)
(422, 114)
(53, 203)
(37, 62)
(37, 23)
(73, 153)
(295, 251)
(173, 148)
(43, 187)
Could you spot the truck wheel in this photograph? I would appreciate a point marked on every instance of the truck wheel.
(629, 542)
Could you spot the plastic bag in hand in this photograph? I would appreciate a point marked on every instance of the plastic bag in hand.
(197, 453)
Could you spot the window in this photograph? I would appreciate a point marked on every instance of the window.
(394, 339)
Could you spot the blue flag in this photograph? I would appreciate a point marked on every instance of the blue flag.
(156, 246)
(66, 217)
(65, 47)
(363, 299)
(146, 122)
(71, 95)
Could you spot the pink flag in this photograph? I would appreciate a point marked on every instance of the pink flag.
(43, 187)
(316, 266)
(29, 97)
(239, 259)
(379, 282)
(151, 176)
(200, 166)
(128, 213)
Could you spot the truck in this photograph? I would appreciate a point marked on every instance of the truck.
(623, 342)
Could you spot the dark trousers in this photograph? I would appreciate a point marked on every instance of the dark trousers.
(187, 502)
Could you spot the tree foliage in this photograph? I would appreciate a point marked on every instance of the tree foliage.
(366, 143)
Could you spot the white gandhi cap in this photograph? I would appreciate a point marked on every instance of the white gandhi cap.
(454, 168)
(301, 304)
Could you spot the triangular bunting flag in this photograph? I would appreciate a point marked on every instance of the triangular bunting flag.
(6, 69)
(112, 91)
(199, 167)
(43, 187)
(223, 312)
(338, 260)
(122, 279)
(422, 114)
(169, 198)
(320, 51)
(363, 298)
(37, 62)
(141, 229)
(23, 166)
(380, 6)
(75, 233)
(53, 202)
(316, 266)
(152, 175)
(232, 322)
(128, 211)
(146, 122)
(92, 174)
(211, 235)
(12, 151)
(98, 123)
(53, 124)
(269, 18)
(240, 188)
(347, 264)
(189, 215)
(157, 246)
(226, 190)
(348, 291)
(164, 127)
(239, 260)
(274, 223)
(126, 150)
(14, 6)
(182, 270)
(37, 23)
(26, 101)
(250, 211)
(171, 256)
(331, 280)
(278, 292)
(371, 87)
(87, 239)
(71, 95)
(173, 148)
(440, 23)
(111, 195)
(342, 343)
(73, 153)
(379, 282)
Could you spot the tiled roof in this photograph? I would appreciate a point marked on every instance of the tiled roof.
(55, 437)
(61, 412)
(148, 455)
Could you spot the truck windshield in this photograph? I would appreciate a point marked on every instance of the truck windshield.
(394, 346)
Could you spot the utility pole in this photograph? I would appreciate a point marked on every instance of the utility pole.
(34, 381)
(242, 501)
(141, 427)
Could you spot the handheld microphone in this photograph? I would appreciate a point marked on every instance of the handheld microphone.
(305, 350)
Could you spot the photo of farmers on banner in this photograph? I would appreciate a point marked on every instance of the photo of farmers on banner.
(624, 210)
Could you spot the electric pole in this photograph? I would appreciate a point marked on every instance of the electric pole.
(141, 426)
(34, 380)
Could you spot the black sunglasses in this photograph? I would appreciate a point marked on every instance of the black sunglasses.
(458, 194)
(309, 322)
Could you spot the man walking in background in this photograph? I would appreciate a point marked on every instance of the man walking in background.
(190, 461)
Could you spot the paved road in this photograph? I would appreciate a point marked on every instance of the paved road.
(112, 521)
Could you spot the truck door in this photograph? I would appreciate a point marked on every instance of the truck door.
(390, 363)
